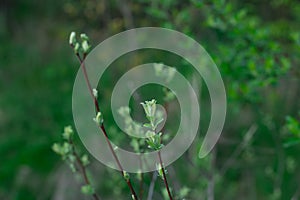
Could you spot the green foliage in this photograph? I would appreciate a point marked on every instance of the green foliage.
(77, 163)
(293, 128)
(87, 189)
(255, 46)
(85, 160)
(66, 149)
(154, 139)
(83, 47)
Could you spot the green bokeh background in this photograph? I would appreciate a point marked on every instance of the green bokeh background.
(256, 45)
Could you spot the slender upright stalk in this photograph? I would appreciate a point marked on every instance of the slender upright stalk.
(154, 141)
(141, 192)
(82, 169)
(164, 176)
(102, 127)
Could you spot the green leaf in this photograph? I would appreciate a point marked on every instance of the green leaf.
(126, 175)
(147, 125)
(87, 189)
(68, 132)
(85, 160)
(57, 148)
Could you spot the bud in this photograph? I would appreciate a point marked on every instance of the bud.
(57, 148)
(72, 38)
(149, 108)
(95, 93)
(77, 47)
(87, 189)
(126, 175)
(66, 148)
(68, 132)
(85, 46)
(84, 37)
(85, 160)
(160, 169)
(98, 119)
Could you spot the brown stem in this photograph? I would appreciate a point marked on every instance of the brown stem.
(141, 186)
(164, 176)
(82, 169)
(118, 162)
(102, 127)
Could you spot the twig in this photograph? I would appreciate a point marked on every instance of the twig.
(102, 127)
(82, 168)
(141, 181)
(141, 186)
(164, 176)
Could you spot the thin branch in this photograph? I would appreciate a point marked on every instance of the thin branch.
(102, 127)
(141, 181)
(141, 186)
(164, 176)
(82, 168)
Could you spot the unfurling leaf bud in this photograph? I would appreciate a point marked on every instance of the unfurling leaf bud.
(84, 37)
(95, 93)
(72, 38)
(85, 160)
(126, 175)
(85, 46)
(57, 148)
(150, 108)
(77, 47)
(160, 169)
(99, 118)
(68, 132)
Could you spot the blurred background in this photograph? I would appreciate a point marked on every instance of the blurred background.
(255, 44)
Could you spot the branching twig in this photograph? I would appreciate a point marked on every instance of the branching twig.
(102, 127)
(82, 168)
